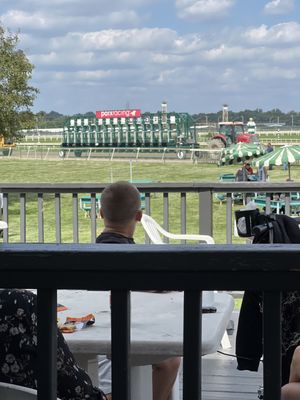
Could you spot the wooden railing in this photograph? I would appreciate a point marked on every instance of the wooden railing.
(196, 198)
(269, 268)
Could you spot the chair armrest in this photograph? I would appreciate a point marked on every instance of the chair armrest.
(179, 236)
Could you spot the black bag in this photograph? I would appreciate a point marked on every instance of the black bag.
(249, 347)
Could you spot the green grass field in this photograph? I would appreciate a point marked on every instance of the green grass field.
(29, 171)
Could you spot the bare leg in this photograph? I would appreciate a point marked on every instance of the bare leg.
(164, 376)
(291, 391)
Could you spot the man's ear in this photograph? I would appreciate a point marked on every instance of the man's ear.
(101, 213)
(139, 215)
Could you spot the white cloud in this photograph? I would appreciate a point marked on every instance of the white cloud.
(113, 39)
(271, 73)
(203, 9)
(106, 53)
(42, 21)
(288, 32)
(18, 18)
(232, 53)
(279, 7)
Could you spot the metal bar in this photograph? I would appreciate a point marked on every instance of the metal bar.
(120, 343)
(75, 218)
(57, 218)
(5, 216)
(229, 218)
(93, 217)
(272, 345)
(268, 203)
(205, 213)
(47, 344)
(192, 333)
(40, 218)
(288, 203)
(23, 217)
(166, 214)
(147, 210)
(183, 214)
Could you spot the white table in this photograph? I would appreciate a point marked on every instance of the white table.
(156, 327)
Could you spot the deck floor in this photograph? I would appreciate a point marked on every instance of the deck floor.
(221, 379)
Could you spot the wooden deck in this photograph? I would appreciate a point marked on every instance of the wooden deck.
(221, 379)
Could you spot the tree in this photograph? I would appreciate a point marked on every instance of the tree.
(16, 96)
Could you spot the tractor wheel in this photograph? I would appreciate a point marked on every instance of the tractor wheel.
(216, 144)
(181, 154)
(77, 153)
(5, 152)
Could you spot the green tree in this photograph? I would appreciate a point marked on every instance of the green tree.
(16, 96)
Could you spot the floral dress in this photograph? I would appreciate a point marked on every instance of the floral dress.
(18, 350)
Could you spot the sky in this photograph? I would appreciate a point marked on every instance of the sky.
(195, 54)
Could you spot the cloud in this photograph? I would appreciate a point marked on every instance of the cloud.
(278, 7)
(203, 9)
(233, 53)
(18, 18)
(43, 22)
(270, 73)
(109, 52)
(288, 32)
(118, 39)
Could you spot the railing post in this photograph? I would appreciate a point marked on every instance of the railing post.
(192, 351)
(57, 218)
(206, 213)
(23, 217)
(47, 344)
(5, 216)
(183, 214)
(228, 218)
(75, 218)
(120, 344)
(93, 217)
(166, 214)
(287, 204)
(147, 210)
(40, 218)
(272, 345)
(268, 200)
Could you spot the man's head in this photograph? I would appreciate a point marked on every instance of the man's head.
(120, 204)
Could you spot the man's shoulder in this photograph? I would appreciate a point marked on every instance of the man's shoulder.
(111, 237)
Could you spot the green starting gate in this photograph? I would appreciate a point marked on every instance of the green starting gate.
(148, 130)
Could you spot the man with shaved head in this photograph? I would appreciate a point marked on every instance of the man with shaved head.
(121, 210)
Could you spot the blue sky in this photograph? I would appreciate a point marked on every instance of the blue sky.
(195, 54)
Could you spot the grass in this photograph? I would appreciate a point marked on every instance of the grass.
(77, 171)
(238, 303)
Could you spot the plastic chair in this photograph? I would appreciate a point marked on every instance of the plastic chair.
(155, 232)
(9, 391)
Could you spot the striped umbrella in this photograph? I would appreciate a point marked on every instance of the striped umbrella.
(282, 155)
(240, 152)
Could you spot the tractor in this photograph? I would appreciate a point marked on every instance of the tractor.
(6, 145)
(232, 133)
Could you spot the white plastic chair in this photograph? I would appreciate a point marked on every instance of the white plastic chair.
(155, 232)
(9, 391)
(3, 225)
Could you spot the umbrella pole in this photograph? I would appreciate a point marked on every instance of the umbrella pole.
(289, 166)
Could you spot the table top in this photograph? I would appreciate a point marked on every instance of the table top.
(156, 323)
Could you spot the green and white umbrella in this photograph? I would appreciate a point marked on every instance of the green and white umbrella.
(240, 152)
(286, 154)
